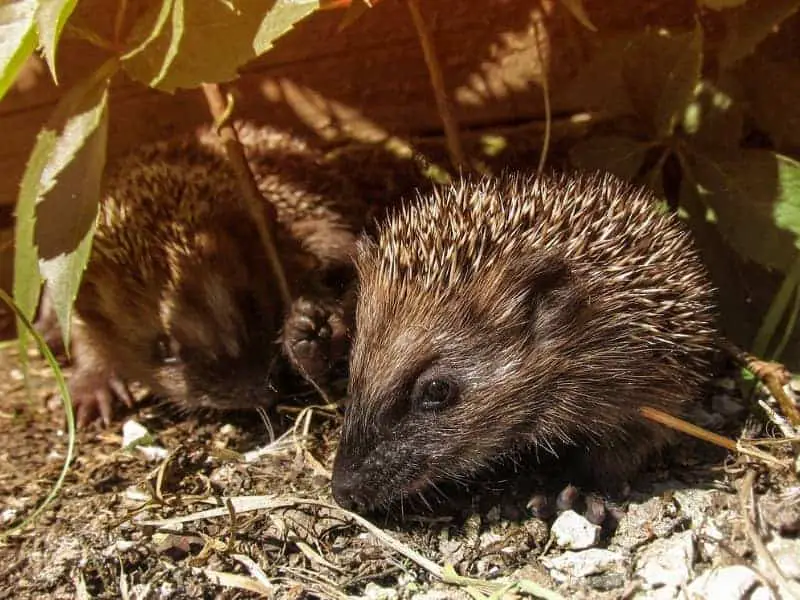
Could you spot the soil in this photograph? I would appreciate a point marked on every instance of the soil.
(95, 541)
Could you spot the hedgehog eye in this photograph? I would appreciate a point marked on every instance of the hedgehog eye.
(166, 350)
(434, 394)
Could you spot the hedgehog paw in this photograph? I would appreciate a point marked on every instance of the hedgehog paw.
(313, 338)
(94, 394)
(595, 508)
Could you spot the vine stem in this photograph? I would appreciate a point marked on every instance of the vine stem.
(262, 212)
(451, 132)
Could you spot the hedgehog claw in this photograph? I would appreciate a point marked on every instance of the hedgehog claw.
(594, 507)
(94, 394)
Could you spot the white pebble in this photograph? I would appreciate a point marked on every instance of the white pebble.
(574, 532)
(375, 592)
(153, 453)
(583, 563)
(731, 583)
(667, 562)
(134, 433)
(786, 553)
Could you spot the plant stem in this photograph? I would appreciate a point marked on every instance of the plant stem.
(451, 132)
(261, 211)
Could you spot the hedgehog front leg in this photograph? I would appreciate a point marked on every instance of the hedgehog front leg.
(94, 386)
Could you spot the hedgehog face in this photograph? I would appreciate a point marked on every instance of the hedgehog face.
(436, 384)
(216, 345)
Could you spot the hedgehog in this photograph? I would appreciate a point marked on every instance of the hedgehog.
(517, 317)
(178, 294)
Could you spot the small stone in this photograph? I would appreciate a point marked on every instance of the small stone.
(452, 551)
(153, 453)
(636, 525)
(786, 553)
(8, 515)
(732, 583)
(493, 516)
(538, 532)
(583, 563)
(134, 434)
(489, 539)
(708, 538)
(726, 406)
(574, 532)
(667, 562)
(373, 591)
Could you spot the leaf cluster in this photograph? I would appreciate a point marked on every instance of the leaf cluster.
(709, 126)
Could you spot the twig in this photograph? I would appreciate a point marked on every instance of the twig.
(781, 587)
(451, 131)
(548, 116)
(658, 416)
(262, 212)
(773, 375)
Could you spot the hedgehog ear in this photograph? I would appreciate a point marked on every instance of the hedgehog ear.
(546, 291)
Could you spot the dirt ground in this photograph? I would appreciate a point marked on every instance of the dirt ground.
(269, 528)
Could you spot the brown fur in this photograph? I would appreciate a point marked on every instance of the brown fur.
(555, 307)
(178, 293)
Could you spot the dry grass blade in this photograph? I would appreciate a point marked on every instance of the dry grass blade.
(677, 424)
(256, 571)
(241, 582)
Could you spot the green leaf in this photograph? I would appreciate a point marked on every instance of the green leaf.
(175, 37)
(748, 25)
(27, 280)
(661, 70)
(58, 200)
(280, 19)
(145, 33)
(17, 38)
(51, 16)
(579, 12)
(777, 313)
(617, 154)
(191, 51)
(755, 196)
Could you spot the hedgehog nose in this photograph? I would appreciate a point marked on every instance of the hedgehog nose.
(345, 483)
(344, 495)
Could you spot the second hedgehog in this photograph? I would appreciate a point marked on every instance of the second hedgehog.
(178, 294)
(505, 316)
